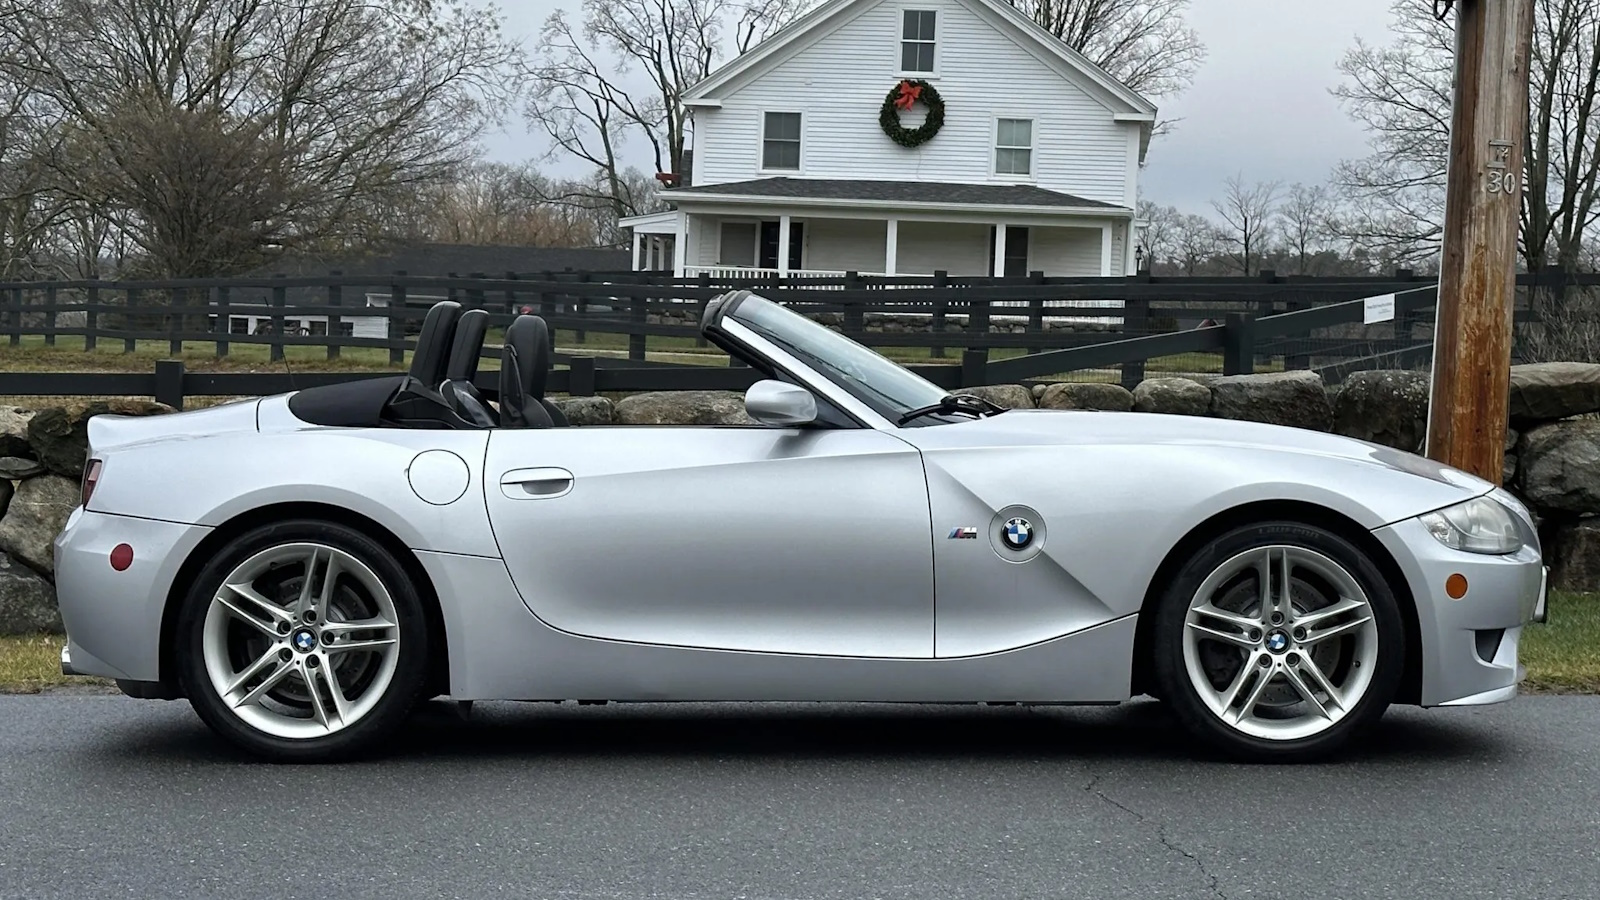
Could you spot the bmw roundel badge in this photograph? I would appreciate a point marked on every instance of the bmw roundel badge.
(1018, 533)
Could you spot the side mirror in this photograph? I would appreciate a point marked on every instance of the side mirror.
(778, 404)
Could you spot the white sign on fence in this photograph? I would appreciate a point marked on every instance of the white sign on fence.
(1378, 309)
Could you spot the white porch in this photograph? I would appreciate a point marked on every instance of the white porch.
(741, 244)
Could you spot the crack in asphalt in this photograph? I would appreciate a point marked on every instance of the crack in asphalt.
(1161, 834)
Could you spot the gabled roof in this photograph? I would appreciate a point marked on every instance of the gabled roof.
(913, 193)
(814, 24)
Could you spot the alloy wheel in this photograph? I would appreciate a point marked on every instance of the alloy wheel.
(301, 640)
(1280, 642)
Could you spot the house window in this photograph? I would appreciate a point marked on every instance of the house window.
(780, 141)
(1013, 147)
(347, 329)
(238, 325)
(319, 328)
(916, 40)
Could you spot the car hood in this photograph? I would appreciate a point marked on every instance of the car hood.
(1039, 427)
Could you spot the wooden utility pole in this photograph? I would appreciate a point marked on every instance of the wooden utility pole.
(1472, 332)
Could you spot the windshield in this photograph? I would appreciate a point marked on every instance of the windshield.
(889, 388)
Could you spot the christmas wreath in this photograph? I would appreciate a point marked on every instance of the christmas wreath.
(902, 97)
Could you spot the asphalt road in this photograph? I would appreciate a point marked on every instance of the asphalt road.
(103, 796)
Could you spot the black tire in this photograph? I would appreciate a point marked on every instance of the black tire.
(1171, 675)
(404, 689)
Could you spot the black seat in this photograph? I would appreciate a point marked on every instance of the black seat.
(458, 388)
(418, 403)
(524, 365)
(435, 341)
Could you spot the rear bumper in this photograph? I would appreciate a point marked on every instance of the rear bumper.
(1469, 646)
(113, 619)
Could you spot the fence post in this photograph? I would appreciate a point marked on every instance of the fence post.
(397, 320)
(940, 307)
(224, 320)
(335, 299)
(855, 317)
(1135, 322)
(91, 319)
(130, 302)
(511, 297)
(974, 367)
(1239, 345)
(1298, 360)
(50, 316)
(705, 285)
(175, 304)
(638, 315)
(169, 382)
(580, 376)
(15, 316)
(280, 296)
(1036, 311)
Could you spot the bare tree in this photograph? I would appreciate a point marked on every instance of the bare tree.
(1401, 92)
(1196, 241)
(1160, 233)
(1145, 44)
(215, 131)
(621, 74)
(1303, 220)
(1246, 212)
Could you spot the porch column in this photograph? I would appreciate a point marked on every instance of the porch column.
(891, 246)
(638, 245)
(999, 250)
(783, 247)
(680, 246)
(1105, 250)
(658, 247)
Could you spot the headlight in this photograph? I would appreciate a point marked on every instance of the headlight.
(1477, 526)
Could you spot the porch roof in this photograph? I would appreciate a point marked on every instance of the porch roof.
(890, 194)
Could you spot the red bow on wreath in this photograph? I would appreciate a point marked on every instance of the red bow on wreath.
(909, 95)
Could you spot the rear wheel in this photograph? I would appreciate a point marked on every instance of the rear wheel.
(1278, 641)
(303, 640)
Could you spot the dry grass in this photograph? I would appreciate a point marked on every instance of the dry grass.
(29, 665)
(1563, 655)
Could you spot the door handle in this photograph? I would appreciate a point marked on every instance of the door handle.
(529, 484)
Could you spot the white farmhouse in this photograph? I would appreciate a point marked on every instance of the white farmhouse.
(904, 137)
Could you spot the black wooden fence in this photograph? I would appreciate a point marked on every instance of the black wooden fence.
(1005, 330)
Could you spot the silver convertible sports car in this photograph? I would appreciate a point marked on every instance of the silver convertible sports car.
(306, 568)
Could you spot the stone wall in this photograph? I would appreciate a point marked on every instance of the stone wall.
(1552, 440)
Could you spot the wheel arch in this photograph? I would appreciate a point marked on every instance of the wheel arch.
(1410, 690)
(439, 647)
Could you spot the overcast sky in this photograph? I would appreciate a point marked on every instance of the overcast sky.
(1259, 105)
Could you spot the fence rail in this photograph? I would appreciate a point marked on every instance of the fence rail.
(1003, 330)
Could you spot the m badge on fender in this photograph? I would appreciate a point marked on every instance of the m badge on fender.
(963, 534)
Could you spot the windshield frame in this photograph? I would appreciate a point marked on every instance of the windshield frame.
(861, 380)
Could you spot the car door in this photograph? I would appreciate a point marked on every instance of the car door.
(779, 540)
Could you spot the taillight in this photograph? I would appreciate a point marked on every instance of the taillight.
(91, 475)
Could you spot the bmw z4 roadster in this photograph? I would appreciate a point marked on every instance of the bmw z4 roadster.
(305, 568)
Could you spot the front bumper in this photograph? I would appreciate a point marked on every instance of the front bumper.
(112, 618)
(1469, 646)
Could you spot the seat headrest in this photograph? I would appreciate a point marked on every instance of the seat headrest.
(467, 346)
(434, 342)
(531, 338)
(524, 363)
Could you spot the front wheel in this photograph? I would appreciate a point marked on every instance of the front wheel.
(303, 641)
(1278, 642)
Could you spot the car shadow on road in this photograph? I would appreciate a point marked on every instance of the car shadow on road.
(1138, 730)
